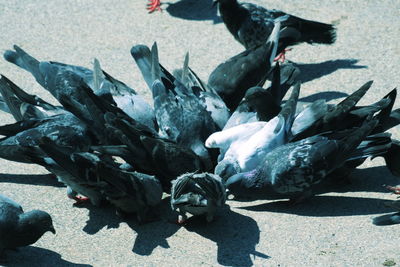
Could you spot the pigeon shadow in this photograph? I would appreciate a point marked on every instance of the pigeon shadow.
(35, 256)
(236, 236)
(325, 206)
(373, 179)
(387, 219)
(33, 179)
(100, 217)
(327, 95)
(360, 180)
(312, 71)
(154, 234)
(150, 235)
(194, 10)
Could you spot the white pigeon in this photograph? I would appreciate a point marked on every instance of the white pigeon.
(243, 146)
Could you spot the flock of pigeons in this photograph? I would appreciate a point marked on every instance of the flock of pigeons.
(199, 141)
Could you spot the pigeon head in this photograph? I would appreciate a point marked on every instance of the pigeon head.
(39, 220)
(31, 226)
(226, 168)
(262, 102)
(247, 185)
(197, 194)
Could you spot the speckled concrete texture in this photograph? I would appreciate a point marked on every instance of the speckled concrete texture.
(331, 229)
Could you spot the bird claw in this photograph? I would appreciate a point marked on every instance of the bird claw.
(79, 200)
(154, 5)
(282, 55)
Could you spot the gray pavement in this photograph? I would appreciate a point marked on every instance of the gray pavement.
(331, 229)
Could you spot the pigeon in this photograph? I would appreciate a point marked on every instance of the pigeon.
(181, 116)
(261, 104)
(22, 105)
(232, 78)
(244, 154)
(138, 145)
(251, 25)
(211, 100)
(197, 194)
(320, 117)
(52, 76)
(291, 170)
(94, 175)
(19, 228)
(37, 118)
(65, 129)
(81, 186)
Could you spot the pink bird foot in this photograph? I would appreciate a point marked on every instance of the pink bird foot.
(282, 56)
(79, 199)
(154, 5)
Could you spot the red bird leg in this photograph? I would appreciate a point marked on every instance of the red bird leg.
(73, 195)
(395, 190)
(80, 200)
(281, 57)
(154, 5)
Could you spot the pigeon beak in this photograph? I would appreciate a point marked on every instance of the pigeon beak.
(52, 230)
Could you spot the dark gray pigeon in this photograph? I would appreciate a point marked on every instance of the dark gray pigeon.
(182, 117)
(251, 25)
(261, 104)
(137, 144)
(22, 105)
(320, 117)
(19, 228)
(197, 194)
(82, 185)
(65, 129)
(293, 169)
(99, 177)
(54, 77)
(232, 78)
(211, 100)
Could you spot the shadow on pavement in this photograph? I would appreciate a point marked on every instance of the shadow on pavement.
(322, 206)
(33, 179)
(35, 256)
(312, 71)
(150, 235)
(327, 95)
(360, 180)
(236, 236)
(194, 10)
(100, 217)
